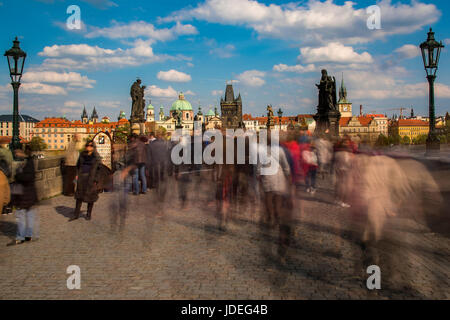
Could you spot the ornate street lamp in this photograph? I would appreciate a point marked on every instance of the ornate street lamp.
(16, 60)
(280, 115)
(431, 51)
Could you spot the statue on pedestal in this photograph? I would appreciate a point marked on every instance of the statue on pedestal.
(270, 117)
(328, 116)
(137, 106)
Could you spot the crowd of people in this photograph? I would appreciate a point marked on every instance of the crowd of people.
(371, 185)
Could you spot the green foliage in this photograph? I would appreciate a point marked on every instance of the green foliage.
(37, 144)
(406, 140)
(122, 133)
(422, 139)
(382, 140)
(394, 139)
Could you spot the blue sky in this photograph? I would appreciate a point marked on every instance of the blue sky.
(273, 50)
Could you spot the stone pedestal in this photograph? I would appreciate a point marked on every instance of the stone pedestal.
(328, 121)
(137, 128)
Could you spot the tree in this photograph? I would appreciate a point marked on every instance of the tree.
(382, 140)
(394, 139)
(406, 140)
(122, 133)
(421, 139)
(37, 144)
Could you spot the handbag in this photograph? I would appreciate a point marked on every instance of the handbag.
(17, 189)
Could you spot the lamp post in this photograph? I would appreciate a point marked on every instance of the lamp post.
(280, 115)
(16, 60)
(431, 51)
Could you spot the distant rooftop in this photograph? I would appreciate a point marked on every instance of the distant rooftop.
(22, 118)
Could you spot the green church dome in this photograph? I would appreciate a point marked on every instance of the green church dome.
(150, 107)
(181, 104)
(210, 113)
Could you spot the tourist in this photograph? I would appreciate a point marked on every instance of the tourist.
(6, 160)
(70, 166)
(5, 195)
(88, 177)
(24, 198)
(139, 158)
(159, 151)
(310, 157)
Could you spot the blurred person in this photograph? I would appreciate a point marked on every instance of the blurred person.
(277, 190)
(342, 164)
(119, 202)
(88, 177)
(149, 168)
(324, 154)
(5, 194)
(159, 153)
(6, 160)
(139, 155)
(310, 158)
(24, 198)
(70, 166)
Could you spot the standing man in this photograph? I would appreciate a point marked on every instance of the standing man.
(139, 158)
(25, 198)
(6, 160)
(70, 166)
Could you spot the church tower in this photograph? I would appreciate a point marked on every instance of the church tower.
(84, 116)
(344, 106)
(231, 109)
(94, 116)
(161, 114)
(150, 113)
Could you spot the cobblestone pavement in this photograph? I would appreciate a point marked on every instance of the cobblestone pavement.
(182, 255)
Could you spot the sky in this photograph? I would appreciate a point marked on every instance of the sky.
(273, 51)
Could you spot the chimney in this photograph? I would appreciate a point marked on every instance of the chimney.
(360, 110)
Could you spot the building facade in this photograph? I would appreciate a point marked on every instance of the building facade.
(231, 109)
(411, 128)
(26, 126)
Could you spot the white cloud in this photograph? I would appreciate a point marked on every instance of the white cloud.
(136, 29)
(334, 52)
(72, 104)
(297, 68)
(408, 51)
(109, 104)
(217, 93)
(84, 56)
(223, 52)
(379, 85)
(174, 76)
(252, 78)
(42, 88)
(157, 92)
(72, 79)
(313, 21)
(447, 41)
(189, 93)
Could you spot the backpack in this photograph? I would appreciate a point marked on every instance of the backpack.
(5, 168)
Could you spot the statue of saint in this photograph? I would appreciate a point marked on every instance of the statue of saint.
(138, 102)
(327, 93)
(270, 112)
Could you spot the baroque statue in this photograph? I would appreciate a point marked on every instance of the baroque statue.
(327, 93)
(138, 102)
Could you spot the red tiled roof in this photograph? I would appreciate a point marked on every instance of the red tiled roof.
(364, 121)
(412, 122)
